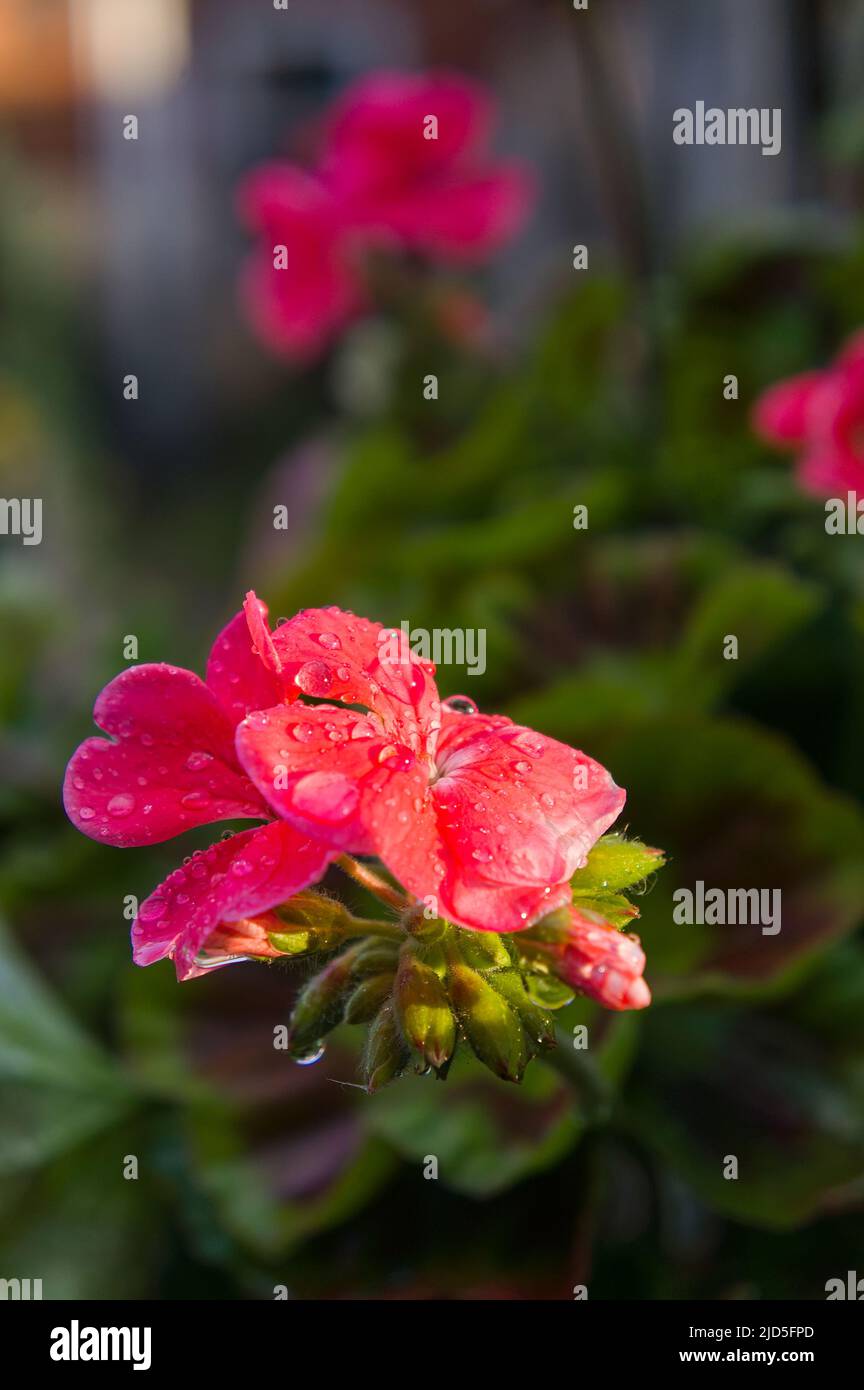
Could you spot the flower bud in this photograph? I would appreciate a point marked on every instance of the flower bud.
(536, 1022)
(424, 1011)
(376, 957)
(368, 997)
(320, 1004)
(386, 1054)
(485, 949)
(308, 922)
(490, 1025)
(603, 963)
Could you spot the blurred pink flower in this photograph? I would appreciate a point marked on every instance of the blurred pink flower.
(387, 178)
(820, 414)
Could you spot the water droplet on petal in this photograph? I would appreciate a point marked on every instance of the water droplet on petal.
(314, 678)
(194, 799)
(122, 805)
(196, 761)
(460, 704)
(329, 640)
(153, 909)
(325, 796)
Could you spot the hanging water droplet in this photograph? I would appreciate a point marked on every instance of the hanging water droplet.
(548, 991)
(307, 1059)
(460, 704)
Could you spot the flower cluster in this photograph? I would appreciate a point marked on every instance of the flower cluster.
(404, 166)
(331, 732)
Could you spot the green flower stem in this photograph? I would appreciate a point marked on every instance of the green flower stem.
(368, 879)
(582, 1072)
(372, 926)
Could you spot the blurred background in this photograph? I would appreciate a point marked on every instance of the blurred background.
(557, 388)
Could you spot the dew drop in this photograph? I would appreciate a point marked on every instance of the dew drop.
(460, 704)
(193, 799)
(325, 796)
(122, 805)
(153, 909)
(196, 761)
(314, 678)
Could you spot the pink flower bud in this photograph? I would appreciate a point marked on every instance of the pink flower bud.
(603, 963)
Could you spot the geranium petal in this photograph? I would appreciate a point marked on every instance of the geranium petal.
(296, 307)
(330, 771)
(172, 767)
(333, 655)
(236, 878)
(376, 137)
(523, 807)
(781, 413)
(236, 673)
(517, 811)
(460, 219)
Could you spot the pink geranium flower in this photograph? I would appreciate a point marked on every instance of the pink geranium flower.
(820, 414)
(486, 819)
(381, 183)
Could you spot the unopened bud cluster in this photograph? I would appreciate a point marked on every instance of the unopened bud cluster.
(422, 991)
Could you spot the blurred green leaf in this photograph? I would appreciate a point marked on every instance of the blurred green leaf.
(757, 605)
(485, 1137)
(56, 1086)
(776, 1089)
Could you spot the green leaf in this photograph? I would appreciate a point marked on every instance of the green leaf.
(485, 1136)
(776, 1088)
(736, 807)
(56, 1086)
(759, 606)
(614, 863)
